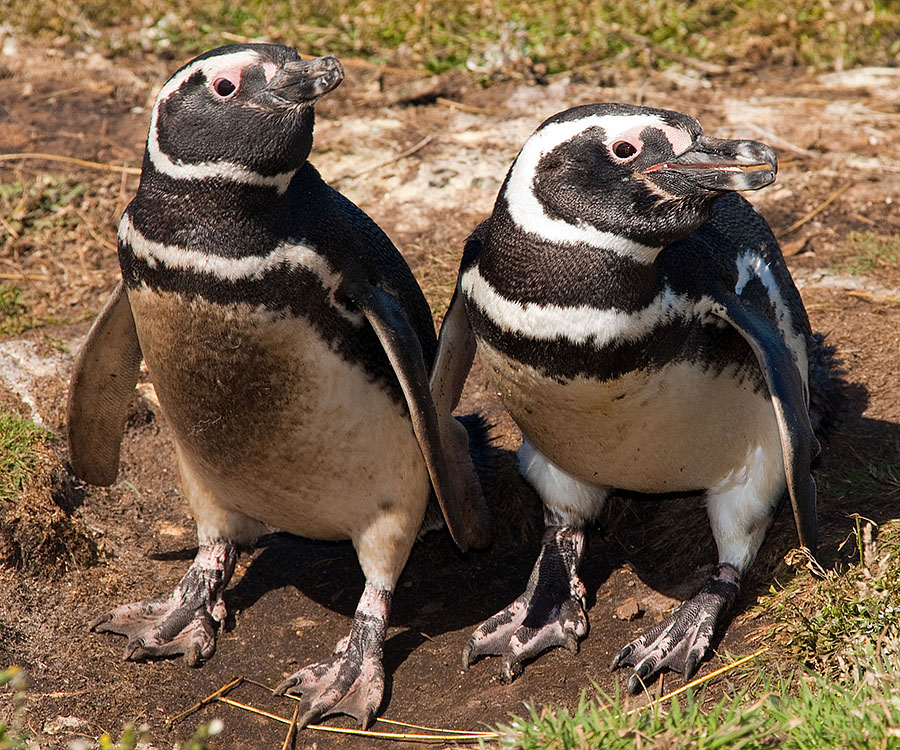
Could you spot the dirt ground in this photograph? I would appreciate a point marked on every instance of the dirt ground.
(838, 136)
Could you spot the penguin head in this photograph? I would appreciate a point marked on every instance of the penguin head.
(633, 179)
(242, 112)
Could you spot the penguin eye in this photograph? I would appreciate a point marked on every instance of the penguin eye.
(224, 87)
(624, 149)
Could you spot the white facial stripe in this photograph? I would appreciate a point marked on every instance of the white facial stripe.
(179, 170)
(292, 255)
(582, 324)
(751, 265)
(528, 213)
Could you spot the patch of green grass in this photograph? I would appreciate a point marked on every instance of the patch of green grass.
(14, 737)
(796, 712)
(14, 316)
(825, 617)
(506, 34)
(841, 625)
(37, 205)
(866, 252)
(19, 441)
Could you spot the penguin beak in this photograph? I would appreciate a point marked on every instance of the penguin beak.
(304, 81)
(716, 165)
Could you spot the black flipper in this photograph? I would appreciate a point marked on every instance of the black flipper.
(102, 385)
(402, 346)
(798, 443)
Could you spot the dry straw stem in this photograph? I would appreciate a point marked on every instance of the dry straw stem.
(700, 680)
(434, 734)
(821, 207)
(292, 729)
(892, 301)
(402, 155)
(72, 160)
(402, 737)
(209, 698)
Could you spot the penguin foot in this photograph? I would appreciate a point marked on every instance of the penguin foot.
(550, 613)
(681, 640)
(351, 681)
(184, 622)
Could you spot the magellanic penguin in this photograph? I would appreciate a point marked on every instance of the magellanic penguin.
(640, 325)
(290, 347)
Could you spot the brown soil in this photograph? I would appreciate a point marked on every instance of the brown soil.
(292, 600)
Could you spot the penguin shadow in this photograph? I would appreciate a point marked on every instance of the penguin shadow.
(668, 543)
(441, 590)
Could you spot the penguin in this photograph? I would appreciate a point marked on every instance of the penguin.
(291, 350)
(638, 321)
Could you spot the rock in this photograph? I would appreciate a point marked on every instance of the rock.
(629, 610)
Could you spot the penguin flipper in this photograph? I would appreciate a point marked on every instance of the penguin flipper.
(456, 351)
(102, 384)
(798, 443)
(404, 350)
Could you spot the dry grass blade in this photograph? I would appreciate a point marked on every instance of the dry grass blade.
(72, 160)
(402, 155)
(24, 277)
(821, 207)
(893, 301)
(704, 679)
(209, 698)
(475, 732)
(292, 729)
(397, 736)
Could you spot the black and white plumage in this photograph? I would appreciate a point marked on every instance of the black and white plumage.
(290, 348)
(642, 329)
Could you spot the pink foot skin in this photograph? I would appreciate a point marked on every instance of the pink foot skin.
(550, 613)
(681, 640)
(183, 623)
(351, 681)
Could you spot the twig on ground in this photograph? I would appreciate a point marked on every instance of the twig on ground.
(821, 207)
(292, 729)
(874, 298)
(779, 141)
(404, 154)
(208, 699)
(94, 233)
(469, 108)
(24, 277)
(71, 160)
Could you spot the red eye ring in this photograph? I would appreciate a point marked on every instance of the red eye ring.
(224, 87)
(624, 149)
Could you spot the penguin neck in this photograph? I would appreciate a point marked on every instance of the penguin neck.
(214, 215)
(530, 268)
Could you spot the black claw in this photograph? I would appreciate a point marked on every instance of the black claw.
(97, 622)
(467, 657)
(619, 661)
(284, 686)
(634, 685)
(690, 665)
(192, 655)
(512, 668)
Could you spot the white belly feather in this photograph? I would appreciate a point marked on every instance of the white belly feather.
(316, 449)
(675, 429)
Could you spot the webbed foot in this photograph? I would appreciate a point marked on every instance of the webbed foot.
(550, 613)
(681, 640)
(184, 622)
(351, 681)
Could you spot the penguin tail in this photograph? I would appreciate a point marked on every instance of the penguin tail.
(486, 456)
(487, 459)
(827, 402)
